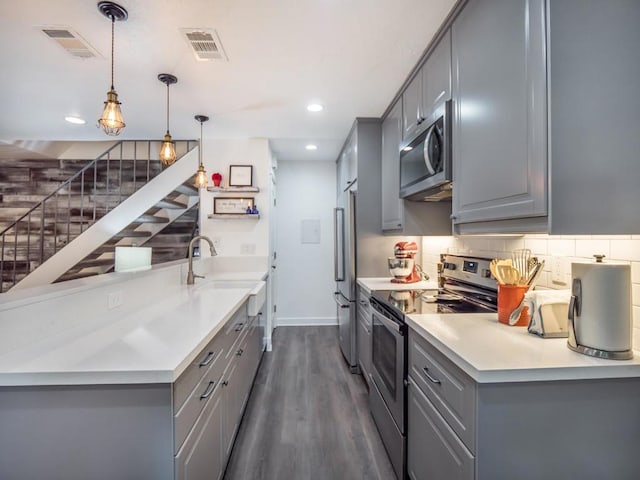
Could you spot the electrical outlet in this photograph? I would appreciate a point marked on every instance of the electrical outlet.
(558, 270)
(114, 299)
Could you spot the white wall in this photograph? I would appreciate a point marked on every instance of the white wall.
(306, 191)
(570, 248)
(235, 237)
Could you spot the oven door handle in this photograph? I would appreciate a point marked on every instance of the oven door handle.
(389, 322)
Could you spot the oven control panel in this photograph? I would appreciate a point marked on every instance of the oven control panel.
(468, 269)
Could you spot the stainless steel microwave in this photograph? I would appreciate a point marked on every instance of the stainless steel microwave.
(425, 164)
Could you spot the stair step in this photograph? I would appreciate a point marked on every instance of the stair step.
(93, 262)
(132, 234)
(171, 204)
(75, 275)
(144, 218)
(186, 189)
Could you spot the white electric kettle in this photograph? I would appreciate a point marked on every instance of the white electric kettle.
(600, 321)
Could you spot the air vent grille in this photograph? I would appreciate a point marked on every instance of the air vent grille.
(204, 44)
(70, 41)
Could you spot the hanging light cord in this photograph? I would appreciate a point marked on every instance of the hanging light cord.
(113, 23)
(167, 108)
(200, 146)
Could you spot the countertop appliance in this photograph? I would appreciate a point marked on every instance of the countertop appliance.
(425, 164)
(600, 320)
(403, 265)
(467, 287)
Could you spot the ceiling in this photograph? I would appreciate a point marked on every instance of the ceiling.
(351, 56)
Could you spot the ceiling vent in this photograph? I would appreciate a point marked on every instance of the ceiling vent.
(70, 41)
(204, 44)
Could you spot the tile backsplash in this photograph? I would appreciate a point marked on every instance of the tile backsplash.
(557, 251)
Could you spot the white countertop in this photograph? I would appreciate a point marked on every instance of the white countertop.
(385, 283)
(149, 344)
(490, 352)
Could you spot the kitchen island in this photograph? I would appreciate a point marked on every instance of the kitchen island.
(130, 375)
(489, 401)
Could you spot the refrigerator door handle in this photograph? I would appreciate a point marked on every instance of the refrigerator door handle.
(336, 297)
(338, 244)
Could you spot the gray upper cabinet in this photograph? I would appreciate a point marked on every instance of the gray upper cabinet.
(423, 99)
(594, 68)
(412, 112)
(499, 126)
(392, 208)
(436, 80)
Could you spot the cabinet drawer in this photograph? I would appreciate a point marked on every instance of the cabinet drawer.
(451, 390)
(364, 307)
(434, 451)
(185, 384)
(209, 384)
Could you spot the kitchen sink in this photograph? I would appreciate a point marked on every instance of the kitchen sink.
(257, 296)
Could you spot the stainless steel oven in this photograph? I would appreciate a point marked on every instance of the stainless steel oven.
(387, 397)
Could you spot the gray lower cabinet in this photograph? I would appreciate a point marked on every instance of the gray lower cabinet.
(499, 126)
(202, 455)
(167, 431)
(434, 451)
(459, 429)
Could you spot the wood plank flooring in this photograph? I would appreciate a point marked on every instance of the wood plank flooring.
(308, 416)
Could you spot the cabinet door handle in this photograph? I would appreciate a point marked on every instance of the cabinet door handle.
(225, 383)
(207, 360)
(239, 326)
(208, 391)
(239, 353)
(428, 375)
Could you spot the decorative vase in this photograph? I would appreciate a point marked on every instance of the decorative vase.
(216, 178)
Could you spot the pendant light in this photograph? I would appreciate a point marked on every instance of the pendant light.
(168, 149)
(111, 120)
(201, 175)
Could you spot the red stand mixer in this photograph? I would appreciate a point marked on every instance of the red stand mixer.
(403, 266)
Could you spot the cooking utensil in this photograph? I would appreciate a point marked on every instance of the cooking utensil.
(534, 275)
(509, 274)
(515, 315)
(521, 259)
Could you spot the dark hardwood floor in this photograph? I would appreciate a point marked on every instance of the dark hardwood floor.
(308, 416)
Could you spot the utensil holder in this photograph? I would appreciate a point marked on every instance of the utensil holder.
(509, 298)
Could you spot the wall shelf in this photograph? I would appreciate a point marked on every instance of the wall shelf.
(233, 189)
(239, 216)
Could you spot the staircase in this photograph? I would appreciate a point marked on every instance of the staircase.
(168, 224)
(93, 209)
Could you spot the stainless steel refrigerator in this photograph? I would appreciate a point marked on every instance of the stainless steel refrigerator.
(344, 267)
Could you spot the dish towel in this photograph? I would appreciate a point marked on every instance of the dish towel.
(548, 309)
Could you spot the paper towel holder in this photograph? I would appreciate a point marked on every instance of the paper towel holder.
(575, 308)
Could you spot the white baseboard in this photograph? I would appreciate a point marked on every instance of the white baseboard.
(308, 321)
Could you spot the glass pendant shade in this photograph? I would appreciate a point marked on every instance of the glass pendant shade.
(111, 120)
(201, 177)
(167, 151)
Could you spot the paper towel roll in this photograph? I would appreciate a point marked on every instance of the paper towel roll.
(605, 320)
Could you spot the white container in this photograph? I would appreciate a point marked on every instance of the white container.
(601, 307)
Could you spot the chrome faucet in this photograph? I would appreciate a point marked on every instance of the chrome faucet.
(191, 277)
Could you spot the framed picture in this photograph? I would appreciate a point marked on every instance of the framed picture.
(240, 175)
(231, 205)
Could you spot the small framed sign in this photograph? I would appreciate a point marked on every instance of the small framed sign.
(231, 205)
(240, 175)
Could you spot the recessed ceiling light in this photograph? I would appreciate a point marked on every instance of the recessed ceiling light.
(311, 147)
(315, 107)
(406, 149)
(75, 120)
